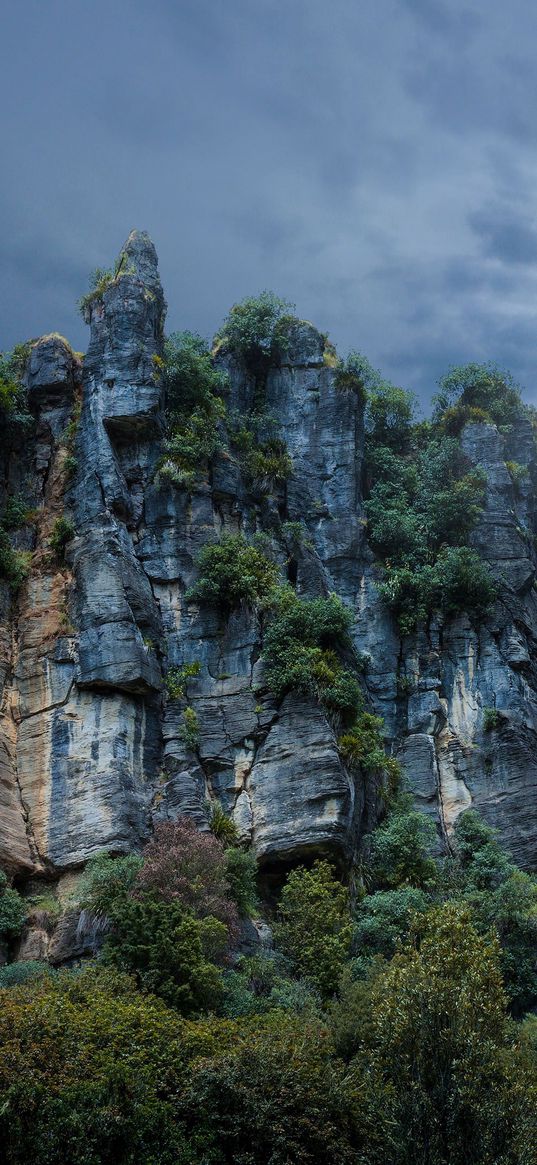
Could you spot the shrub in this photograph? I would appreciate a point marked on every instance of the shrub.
(483, 387)
(355, 374)
(192, 868)
(221, 825)
(176, 678)
(254, 326)
(241, 876)
(299, 641)
(232, 572)
(15, 974)
(109, 1067)
(15, 514)
(189, 731)
(314, 927)
(401, 847)
(389, 415)
(62, 532)
(14, 564)
(100, 279)
(12, 910)
(277, 1096)
(190, 378)
(458, 582)
(162, 946)
(261, 453)
(13, 405)
(106, 883)
(492, 719)
(383, 920)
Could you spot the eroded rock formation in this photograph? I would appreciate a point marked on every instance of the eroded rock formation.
(92, 748)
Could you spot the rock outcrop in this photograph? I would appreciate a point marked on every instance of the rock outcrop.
(93, 749)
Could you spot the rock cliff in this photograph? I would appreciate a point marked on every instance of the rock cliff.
(93, 747)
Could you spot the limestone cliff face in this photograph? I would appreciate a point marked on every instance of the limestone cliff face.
(92, 747)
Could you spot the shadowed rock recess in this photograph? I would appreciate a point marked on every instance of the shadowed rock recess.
(92, 745)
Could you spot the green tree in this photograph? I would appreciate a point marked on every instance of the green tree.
(314, 927)
(440, 1042)
(12, 910)
(165, 949)
(401, 848)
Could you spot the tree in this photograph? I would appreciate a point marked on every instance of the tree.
(440, 1041)
(165, 949)
(314, 927)
(190, 868)
(401, 846)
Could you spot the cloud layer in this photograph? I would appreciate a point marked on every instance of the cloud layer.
(374, 162)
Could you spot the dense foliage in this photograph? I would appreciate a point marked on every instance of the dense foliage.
(12, 910)
(255, 327)
(424, 497)
(377, 1033)
(195, 406)
(232, 572)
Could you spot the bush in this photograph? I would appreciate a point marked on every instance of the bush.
(355, 374)
(241, 876)
(62, 532)
(261, 453)
(254, 327)
(389, 416)
(100, 279)
(165, 948)
(299, 642)
(221, 825)
(13, 405)
(492, 719)
(109, 1067)
(314, 927)
(401, 847)
(232, 572)
(14, 564)
(189, 731)
(483, 387)
(176, 678)
(383, 920)
(458, 582)
(106, 883)
(15, 974)
(12, 910)
(192, 868)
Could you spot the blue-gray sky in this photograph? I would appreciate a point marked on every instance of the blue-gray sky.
(374, 161)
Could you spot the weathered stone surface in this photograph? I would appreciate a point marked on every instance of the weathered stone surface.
(93, 750)
(303, 800)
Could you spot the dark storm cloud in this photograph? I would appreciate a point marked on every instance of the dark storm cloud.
(374, 163)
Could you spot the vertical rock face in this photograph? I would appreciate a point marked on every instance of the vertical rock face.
(93, 749)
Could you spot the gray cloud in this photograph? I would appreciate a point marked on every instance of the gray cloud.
(372, 162)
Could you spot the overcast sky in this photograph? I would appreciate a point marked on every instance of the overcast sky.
(374, 161)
